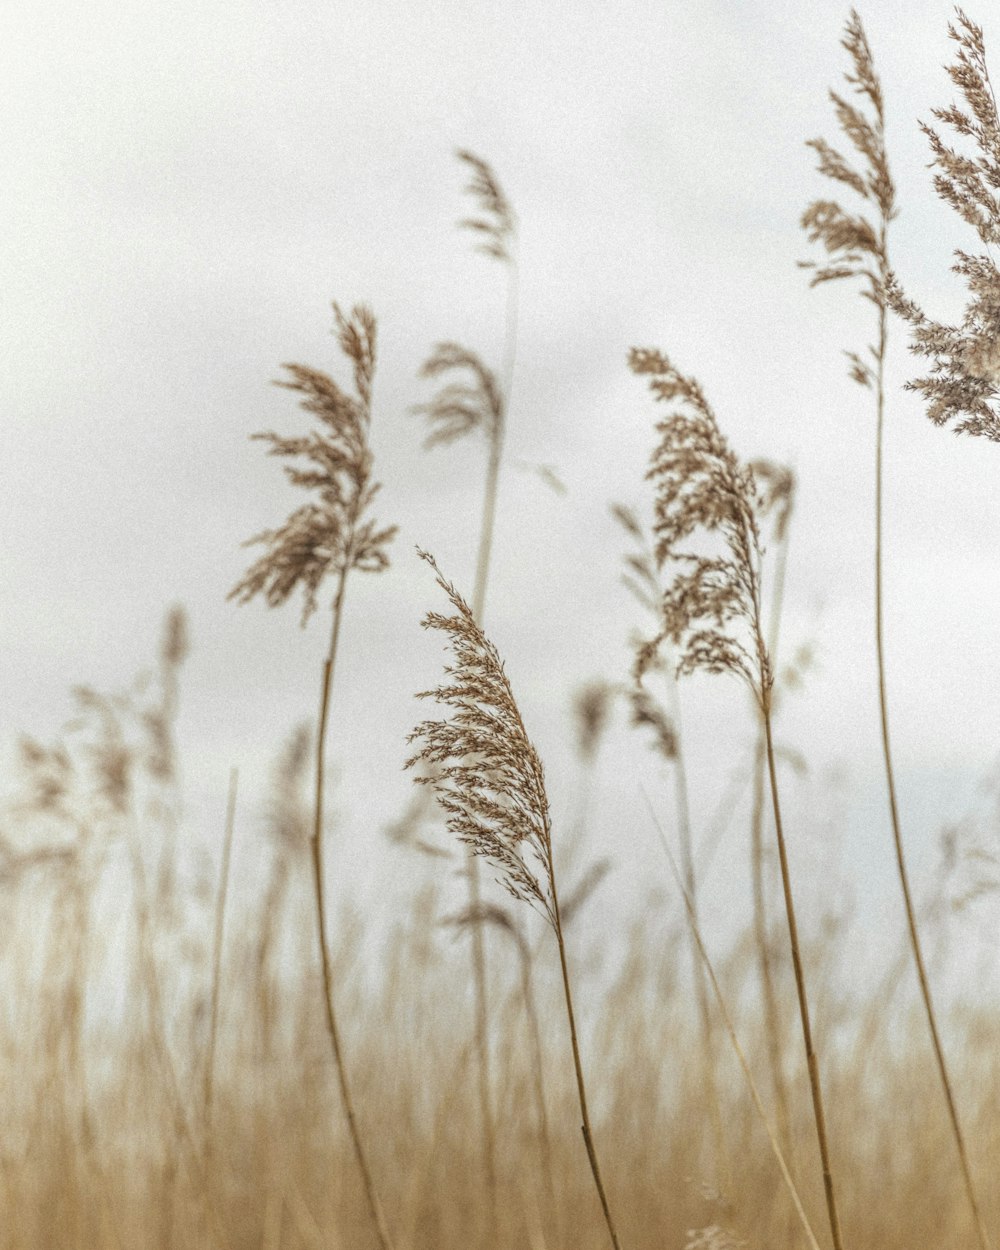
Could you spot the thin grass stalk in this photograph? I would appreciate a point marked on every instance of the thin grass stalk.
(711, 612)
(772, 1137)
(328, 537)
(723, 1163)
(220, 913)
(773, 1030)
(897, 837)
(800, 987)
(483, 557)
(361, 1157)
(581, 1087)
(489, 780)
(857, 249)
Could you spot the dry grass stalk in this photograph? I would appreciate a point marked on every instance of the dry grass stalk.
(217, 934)
(858, 248)
(777, 486)
(703, 955)
(711, 613)
(647, 714)
(329, 538)
(963, 388)
(478, 404)
(489, 781)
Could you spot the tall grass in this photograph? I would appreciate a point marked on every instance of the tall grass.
(475, 402)
(332, 538)
(858, 247)
(712, 612)
(165, 1074)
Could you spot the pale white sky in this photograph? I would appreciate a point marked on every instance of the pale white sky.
(187, 186)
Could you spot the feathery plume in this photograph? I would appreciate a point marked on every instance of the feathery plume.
(963, 387)
(461, 407)
(495, 222)
(489, 780)
(330, 536)
(486, 774)
(711, 613)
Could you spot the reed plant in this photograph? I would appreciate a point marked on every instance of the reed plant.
(777, 486)
(474, 402)
(711, 611)
(330, 538)
(857, 247)
(489, 781)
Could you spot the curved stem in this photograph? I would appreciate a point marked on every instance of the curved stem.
(588, 1136)
(374, 1207)
(800, 986)
(479, 972)
(220, 912)
(904, 879)
(772, 1016)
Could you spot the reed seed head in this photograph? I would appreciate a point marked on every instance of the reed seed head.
(471, 402)
(855, 243)
(486, 774)
(495, 222)
(331, 535)
(963, 387)
(710, 611)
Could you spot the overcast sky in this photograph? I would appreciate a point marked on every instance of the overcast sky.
(187, 186)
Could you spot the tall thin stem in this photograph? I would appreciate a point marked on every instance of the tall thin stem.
(772, 1016)
(722, 1162)
(776, 1146)
(220, 913)
(374, 1206)
(495, 460)
(488, 521)
(904, 878)
(588, 1136)
(800, 985)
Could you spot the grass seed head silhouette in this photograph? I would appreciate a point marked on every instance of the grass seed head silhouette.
(963, 387)
(486, 774)
(461, 407)
(333, 534)
(855, 245)
(711, 612)
(495, 222)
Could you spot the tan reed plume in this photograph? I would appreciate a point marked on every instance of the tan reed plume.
(489, 781)
(963, 388)
(328, 537)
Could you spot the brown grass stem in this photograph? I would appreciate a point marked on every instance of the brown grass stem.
(217, 934)
(773, 1028)
(858, 249)
(800, 987)
(496, 226)
(581, 1087)
(897, 837)
(489, 780)
(723, 1163)
(711, 611)
(329, 537)
(695, 928)
(319, 888)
